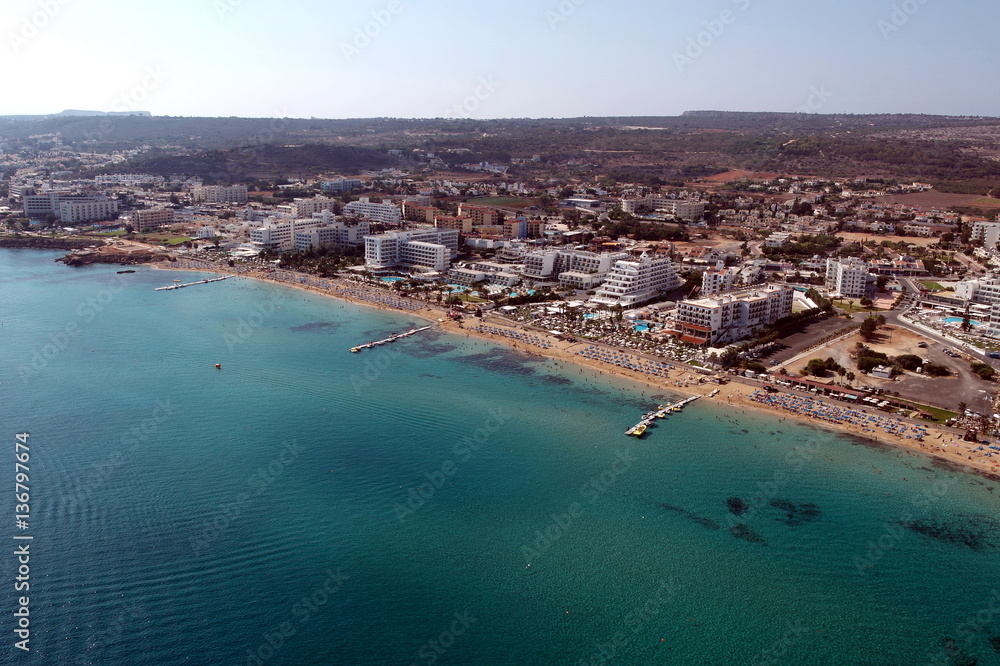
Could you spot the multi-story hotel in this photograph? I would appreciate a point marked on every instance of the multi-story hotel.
(309, 207)
(684, 210)
(481, 217)
(379, 212)
(982, 290)
(151, 218)
(74, 210)
(729, 318)
(280, 235)
(220, 194)
(128, 179)
(463, 224)
(424, 248)
(634, 282)
(850, 278)
(332, 232)
(718, 279)
(341, 185)
(573, 268)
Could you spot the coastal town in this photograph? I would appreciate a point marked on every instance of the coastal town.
(854, 299)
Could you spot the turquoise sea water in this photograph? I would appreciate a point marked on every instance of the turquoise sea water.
(440, 500)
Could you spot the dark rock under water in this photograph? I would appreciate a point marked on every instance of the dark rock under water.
(973, 532)
(737, 506)
(701, 520)
(741, 531)
(796, 514)
(320, 326)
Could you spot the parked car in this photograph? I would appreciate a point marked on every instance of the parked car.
(993, 355)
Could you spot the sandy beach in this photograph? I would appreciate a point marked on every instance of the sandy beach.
(936, 441)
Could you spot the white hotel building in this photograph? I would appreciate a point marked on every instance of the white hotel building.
(332, 233)
(379, 212)
(578, 269)
(220, 194)
(679, 208)
(279, 235)
(729, 318)
(849, 278)
(422, 248)
(631, 283)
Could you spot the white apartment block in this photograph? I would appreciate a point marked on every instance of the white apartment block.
(220, 194)
(849, 278)
(379, 212)
(729, 318)
(777, 239)
(679, 208)
(578, 269)
(309, 207)
(341, 185)
(986, 234)
(717, 280)
(87, 209)
(280, 235)
(151, 218)
(983, 290)
(425, 248)
(631, 283)
(128, 179)
(40, 205)
(505, 275)
(333, 233)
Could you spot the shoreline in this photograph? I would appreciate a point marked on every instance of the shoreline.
(940, 444)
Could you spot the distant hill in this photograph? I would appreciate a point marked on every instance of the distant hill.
(953, 151)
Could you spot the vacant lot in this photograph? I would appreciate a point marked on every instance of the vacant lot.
(947, 392)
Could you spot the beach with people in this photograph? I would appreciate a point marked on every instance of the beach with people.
(599, 360)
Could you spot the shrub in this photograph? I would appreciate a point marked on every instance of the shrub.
(984, 371)
(936, 370)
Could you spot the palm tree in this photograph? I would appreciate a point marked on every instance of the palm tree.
(962, 406)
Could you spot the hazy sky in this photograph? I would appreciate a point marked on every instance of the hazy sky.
(491, 59)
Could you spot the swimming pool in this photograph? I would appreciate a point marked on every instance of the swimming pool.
(958, 320)
(396, 279)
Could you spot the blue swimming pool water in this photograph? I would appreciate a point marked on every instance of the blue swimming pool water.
(958, 320)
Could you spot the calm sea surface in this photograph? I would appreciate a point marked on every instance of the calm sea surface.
(440, 500)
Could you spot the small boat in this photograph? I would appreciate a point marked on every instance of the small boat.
(175, 280)
(354, 350)
(129, 271)
(639, 431)
(218, 366)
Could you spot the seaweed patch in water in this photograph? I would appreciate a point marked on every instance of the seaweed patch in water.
(955, 655)
(737, 506)
(973, 534)
(796, 514)
(701, 520)
(741, 531)
(995, 643)
(318, 326)
(502, 360)
(556, 379)
(425, 349)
